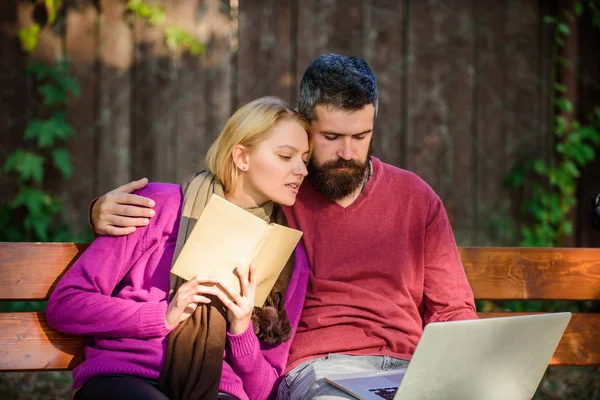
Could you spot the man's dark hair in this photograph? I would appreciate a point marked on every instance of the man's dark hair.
(339, 81)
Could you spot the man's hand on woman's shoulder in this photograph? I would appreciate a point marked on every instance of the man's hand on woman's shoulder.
(118, 212)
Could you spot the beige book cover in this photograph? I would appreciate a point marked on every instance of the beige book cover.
(226, 236)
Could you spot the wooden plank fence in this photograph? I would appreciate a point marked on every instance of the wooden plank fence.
(464, 86)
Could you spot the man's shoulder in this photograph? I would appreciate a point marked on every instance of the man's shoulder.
(404, 180)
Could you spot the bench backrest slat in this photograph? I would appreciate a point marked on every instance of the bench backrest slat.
(29, 271)
(512, 273)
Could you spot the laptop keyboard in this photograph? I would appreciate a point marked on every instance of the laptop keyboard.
(387, 393)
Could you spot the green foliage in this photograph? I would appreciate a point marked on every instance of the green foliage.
(34, 212)
(548, 188)
(29, 37)
(52, 7)
(553, 185)
(553, 190)
(176, 38)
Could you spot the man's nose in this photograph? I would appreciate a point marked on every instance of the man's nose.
(345, 151)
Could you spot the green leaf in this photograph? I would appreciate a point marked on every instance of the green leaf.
(570, 168)
(563, 28)
(62, 161)
(155, 15)
(40, 69)
(27, 164)
(552, 178)
(561, 125)
(32, 199)
(69, 84)
(33, 129)
(565, 62)
(591, 134)
(48, 131)
(588, 153)
(178, 39)
(540, 167)
(559, 87)
(52, 7)
(527, 235)
(578, 9)
(548, 19)
(567, 228)
(39, 225)
(564, 104)
(29, 37)
(53, 95)
(514, 179)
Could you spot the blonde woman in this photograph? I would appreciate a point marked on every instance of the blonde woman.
(207, 340)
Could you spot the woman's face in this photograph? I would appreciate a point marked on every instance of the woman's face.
(277, 165)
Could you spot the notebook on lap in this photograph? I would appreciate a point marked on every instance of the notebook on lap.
(487, 359)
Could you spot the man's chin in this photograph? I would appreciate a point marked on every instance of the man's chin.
(332, 189)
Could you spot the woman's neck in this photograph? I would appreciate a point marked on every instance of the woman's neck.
(242, 198)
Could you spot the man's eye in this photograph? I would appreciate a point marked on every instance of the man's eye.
(360, 137)
(330, 138)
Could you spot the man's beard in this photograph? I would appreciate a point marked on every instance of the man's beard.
(333, 184)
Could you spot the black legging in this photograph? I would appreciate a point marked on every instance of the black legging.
(125, 387)
(119, 387)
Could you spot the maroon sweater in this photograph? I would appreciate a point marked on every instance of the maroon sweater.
(381, 268)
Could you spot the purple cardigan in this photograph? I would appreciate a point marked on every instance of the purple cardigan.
(116, 293)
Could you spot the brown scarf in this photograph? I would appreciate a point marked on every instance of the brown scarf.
(194, 355)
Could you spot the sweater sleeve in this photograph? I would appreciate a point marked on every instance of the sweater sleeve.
(447, 293)
(90, 208)
(82, 303)
(259, 365)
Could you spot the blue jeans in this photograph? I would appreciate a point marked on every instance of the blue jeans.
(306, 380)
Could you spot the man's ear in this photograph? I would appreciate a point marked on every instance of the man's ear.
(241, 157)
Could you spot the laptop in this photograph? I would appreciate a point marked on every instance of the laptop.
(486, 359)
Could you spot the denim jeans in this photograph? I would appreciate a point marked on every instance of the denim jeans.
(306, 380)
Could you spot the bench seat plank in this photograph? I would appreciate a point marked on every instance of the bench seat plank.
(580, 344)
(27, 342)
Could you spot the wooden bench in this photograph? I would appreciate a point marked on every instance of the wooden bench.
(29, 271)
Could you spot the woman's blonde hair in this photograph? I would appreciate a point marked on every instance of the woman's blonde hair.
(249, 126)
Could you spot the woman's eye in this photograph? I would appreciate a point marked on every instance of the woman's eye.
(286, 158)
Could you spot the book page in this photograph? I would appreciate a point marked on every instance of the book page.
(271, 259)
(224, 237)
(227, 236)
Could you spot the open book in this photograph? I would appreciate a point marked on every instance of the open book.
(226, 236)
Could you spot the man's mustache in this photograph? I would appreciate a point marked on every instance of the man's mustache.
(342, 163)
